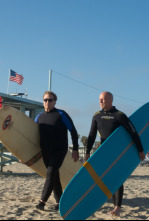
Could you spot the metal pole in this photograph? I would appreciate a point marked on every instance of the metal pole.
(50, 80)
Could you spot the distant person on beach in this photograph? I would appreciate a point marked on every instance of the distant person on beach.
(106, 122)
(1, 102)
(147, 156)
(54, 124)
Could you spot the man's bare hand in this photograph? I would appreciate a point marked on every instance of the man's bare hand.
(75, 155)
(142, 156)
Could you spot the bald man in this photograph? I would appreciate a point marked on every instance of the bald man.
(106, 122)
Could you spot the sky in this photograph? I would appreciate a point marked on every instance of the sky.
(103, 44)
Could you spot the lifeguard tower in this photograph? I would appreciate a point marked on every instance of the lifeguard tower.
(29, 107)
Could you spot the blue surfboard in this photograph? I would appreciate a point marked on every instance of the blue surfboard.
(105, 172)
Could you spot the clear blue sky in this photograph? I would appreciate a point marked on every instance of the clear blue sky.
(102, 43)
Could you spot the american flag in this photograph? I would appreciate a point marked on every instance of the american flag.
(16, 77)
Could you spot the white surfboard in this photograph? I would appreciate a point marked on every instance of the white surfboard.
(20, 135)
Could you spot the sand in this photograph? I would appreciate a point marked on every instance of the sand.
(19, 196)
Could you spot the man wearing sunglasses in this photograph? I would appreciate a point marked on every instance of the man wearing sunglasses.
(54, 124)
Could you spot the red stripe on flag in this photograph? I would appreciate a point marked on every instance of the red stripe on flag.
(18, 79)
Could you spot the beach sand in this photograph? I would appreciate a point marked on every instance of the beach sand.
(19, 196)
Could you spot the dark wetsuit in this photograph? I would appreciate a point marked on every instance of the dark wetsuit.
(54, 126)
(106, 122)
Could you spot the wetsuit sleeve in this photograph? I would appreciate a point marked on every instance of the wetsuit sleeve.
(70, 126)
(92, 136)
(131, 129)
(36, 119)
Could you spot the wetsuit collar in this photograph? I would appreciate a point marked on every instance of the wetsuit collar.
(110, 111)
(51, 111)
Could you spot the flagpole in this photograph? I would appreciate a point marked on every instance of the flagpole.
(8, 81)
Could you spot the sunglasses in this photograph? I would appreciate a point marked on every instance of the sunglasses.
(50, 100)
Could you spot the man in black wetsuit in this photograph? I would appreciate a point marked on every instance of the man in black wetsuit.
(54, 125)
(106, 122)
